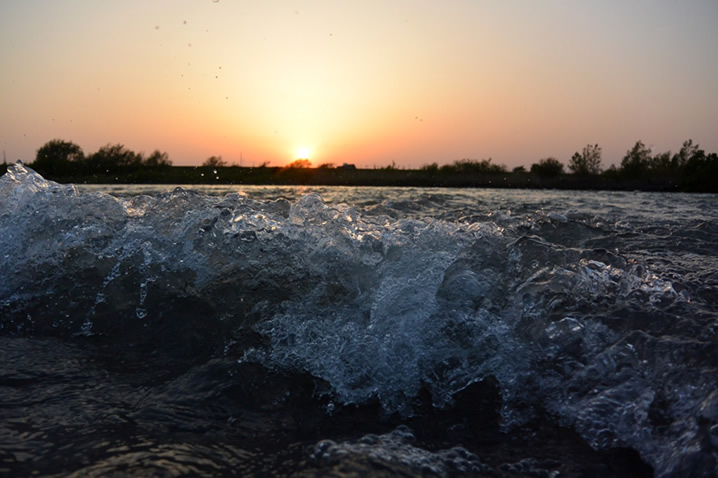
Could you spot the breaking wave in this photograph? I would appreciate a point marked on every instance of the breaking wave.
(605, 320)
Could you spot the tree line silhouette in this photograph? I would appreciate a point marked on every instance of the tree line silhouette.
(58, 158)
(689, 169)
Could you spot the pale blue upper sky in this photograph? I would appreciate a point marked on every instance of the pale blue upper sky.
(366, 82)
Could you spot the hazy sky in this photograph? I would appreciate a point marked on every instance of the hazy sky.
(365, 82)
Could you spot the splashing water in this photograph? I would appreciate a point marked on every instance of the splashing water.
(599, 308)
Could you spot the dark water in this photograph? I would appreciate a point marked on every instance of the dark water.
(351, 332)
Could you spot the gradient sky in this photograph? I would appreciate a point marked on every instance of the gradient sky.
(367, 82)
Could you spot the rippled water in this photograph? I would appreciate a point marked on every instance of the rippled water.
(243, 331)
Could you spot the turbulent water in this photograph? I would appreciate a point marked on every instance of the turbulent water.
(354, 331)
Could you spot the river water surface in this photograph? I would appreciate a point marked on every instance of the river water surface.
(237, 331)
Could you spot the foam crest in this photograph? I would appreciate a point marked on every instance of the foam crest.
(397, 449)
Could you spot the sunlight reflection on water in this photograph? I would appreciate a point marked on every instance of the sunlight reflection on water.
(632, 206)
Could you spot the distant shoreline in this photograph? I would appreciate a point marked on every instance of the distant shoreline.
(235, 175)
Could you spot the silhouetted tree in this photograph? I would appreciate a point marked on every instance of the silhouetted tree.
(214, 162)
(519, 170)
(662, 162)
(111, 157)
(157, 159)
(472, 166)
(432, 168)
(687, 151)
(326, 166)
(700, 171)
(547, 168)
(57, 157)
(636, 162)
(587, 162)
(300, 163)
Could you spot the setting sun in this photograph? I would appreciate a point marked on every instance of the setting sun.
(304, 152)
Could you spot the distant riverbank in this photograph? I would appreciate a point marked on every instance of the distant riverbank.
(369, 177)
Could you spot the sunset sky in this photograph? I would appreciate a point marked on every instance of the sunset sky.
(366, 82)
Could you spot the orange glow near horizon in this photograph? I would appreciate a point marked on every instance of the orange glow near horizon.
(370, 83)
